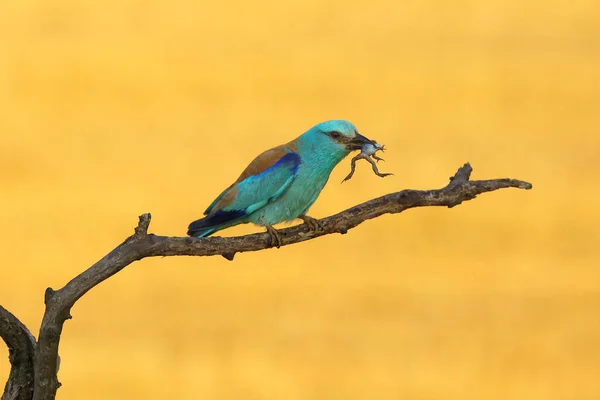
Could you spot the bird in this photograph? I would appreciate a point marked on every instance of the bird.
(282, 183)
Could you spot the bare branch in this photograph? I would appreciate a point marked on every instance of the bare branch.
(141, 245)
(21, 350)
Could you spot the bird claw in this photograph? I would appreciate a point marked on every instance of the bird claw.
(274, 236)
(314, 225)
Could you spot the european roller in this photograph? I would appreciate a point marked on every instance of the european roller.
(281, 184)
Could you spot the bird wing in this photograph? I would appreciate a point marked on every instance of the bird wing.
(264, 180)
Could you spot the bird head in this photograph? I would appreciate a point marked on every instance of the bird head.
(335, 138)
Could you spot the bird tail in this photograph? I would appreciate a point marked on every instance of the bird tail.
(204, 227)
(198, 228)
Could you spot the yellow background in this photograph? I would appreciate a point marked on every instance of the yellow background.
(112, 108)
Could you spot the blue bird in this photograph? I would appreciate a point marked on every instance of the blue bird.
(282, 183)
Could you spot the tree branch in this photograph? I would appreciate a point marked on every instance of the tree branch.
(141, 245)
(21, 348)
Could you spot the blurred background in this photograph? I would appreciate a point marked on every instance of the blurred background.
(109, 109)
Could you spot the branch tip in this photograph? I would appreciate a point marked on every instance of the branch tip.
(521, 184)
(143, 224)
(463, 174)
(48, 294)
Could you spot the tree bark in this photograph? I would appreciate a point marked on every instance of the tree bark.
(141, 245)
(21, 350)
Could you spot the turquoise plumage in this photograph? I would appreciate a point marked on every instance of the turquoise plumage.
(282, 183)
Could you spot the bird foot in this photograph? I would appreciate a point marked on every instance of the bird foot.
(377, 158)
(274, 236)
(313, 224)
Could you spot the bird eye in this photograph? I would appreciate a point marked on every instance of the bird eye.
(335, 135)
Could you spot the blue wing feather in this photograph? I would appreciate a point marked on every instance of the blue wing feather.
(256, 191)
(253, 193)
(214, 203)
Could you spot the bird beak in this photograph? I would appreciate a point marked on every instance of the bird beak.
(357, 142)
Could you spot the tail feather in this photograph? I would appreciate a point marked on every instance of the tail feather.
(196, 231)
(204, 227)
